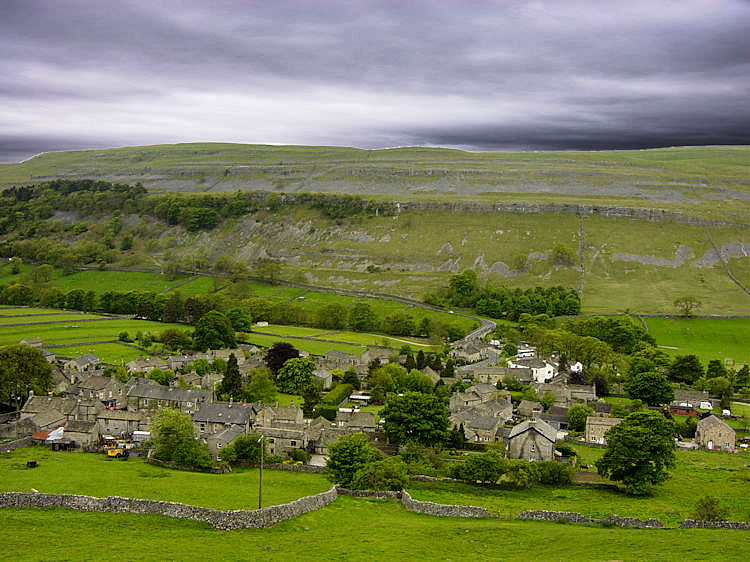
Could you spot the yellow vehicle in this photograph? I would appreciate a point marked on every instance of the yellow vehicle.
(117, 452)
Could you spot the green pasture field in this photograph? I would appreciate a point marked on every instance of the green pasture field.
(725, 476)
(42, 318)
(283, 330)
(95, 474)
(114, 353)
(198, 285)
(311, 346)
(78, 332)
(287, 399)
(27, 310)
(380, 339)
(101, 281)
(349, 529)
(313, 300)
(740, 409)
(708, 338)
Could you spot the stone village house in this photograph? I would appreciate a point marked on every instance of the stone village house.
(533, 440)
(714, 434)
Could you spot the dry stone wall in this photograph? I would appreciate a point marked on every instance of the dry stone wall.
(225, 520)
(442, 510)
(692, 524)
(540, 515)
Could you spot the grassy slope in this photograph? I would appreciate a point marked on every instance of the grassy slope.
(704, 337)
(96, 475)
(697, 473)
(349, 529)
(329, 533)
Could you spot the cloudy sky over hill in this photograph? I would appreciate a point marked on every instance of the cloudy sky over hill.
(558, 74)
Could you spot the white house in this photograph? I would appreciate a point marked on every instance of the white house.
(540, 369)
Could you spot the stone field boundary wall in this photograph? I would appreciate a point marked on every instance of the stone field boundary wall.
(573, 517)
(224, 520)
(692, 524)
(260, 518)
(428, 508)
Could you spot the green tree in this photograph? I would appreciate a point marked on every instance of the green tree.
(386, 474)
(278, 354)
(715, 368)
(351, 377)
(687, 305)
(332, 316)
(160, 376)
(213, 331)
(260, 387)
(708, 508)
(577, 415)
(487, 467)
(450, 368)
(362, 318)
(243, 448)
(640, 451)
(295, 375)
(722, 387)
(231, 384)
(562, 255)
(23, 369)
(172, 433)
(685, 368)
(510, 349)
(241, 322)
(174, 339)
(419, 382)
(548, 399)
(348, 455)
(651, 387)
(201, 366)
(743, 376)
(310, 398)
(417, 416)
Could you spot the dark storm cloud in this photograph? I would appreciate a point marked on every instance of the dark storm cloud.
(483, 75)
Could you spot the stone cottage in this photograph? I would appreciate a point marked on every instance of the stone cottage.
(533, 440)
(714, 434)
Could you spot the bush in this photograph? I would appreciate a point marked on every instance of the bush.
(327, 411)
(124, 336)
(565, 449)
(707, 508)
(273, 459)
(299, 455)
(243, 448)
(552, 472)
(338, 394)
(348, 455)
(487, 467)
(386, 474)
(523, 474)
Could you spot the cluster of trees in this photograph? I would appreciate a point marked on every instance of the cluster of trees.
(489, 467)
(354, 463)
(23, 369)
(360, 317)
(497, 301)
(172, 436)
(622, 333)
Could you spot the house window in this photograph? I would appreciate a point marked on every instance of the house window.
(532, 448)
(203, 427)
(294, 443)
(270, 440)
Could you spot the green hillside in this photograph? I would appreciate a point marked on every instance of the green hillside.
(639, 228)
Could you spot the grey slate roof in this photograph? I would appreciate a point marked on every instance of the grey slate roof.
(484, 422)
(223, 413)
(80, 426)
(159, 392)
(541, 427)
(713, 421)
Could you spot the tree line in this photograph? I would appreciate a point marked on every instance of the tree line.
(498, 301)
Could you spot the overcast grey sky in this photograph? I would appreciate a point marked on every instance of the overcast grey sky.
(480, 75)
